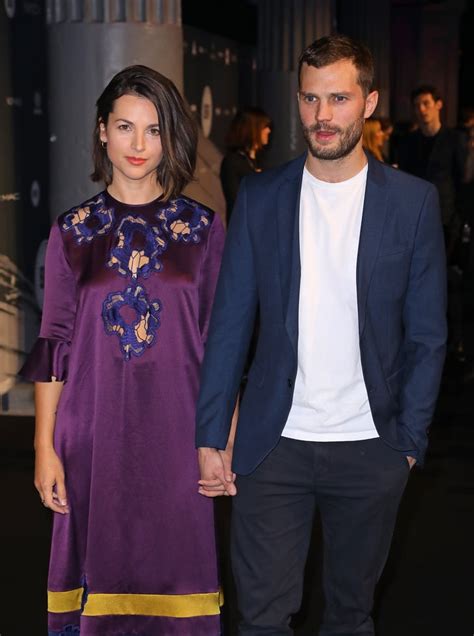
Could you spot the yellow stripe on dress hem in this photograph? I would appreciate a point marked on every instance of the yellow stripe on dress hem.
(70, 601)
(168, 605)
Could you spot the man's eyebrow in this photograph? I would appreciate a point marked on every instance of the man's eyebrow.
(341, 93)
(332, 94)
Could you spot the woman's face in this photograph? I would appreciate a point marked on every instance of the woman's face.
(265, 135)
(132, 135)
(379, 136)
(387, 133)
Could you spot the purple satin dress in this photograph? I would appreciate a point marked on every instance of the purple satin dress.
(128, 295)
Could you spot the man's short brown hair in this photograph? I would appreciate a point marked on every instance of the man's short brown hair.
(425, 89)
(333, 48)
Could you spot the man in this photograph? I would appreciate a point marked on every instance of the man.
(435, 152)
(344, 258)
(438, 154)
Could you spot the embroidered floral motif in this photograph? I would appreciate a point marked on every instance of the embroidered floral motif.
(138, 334)
(129, 260)
(183, 220)
(68, 629)
(91, 220)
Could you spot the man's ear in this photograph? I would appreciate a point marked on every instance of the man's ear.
(371, 102)
(439, 104)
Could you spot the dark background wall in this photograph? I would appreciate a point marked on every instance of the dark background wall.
(24, 131)
(426, 49)
(213, 68)
(429, 41)
(236, 53)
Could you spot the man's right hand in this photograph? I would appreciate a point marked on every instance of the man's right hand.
(215, 480)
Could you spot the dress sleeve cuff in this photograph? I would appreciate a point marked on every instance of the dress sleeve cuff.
(47, 362)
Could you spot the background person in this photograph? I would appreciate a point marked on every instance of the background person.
(249, 133)
(130, 278)
(438, 154)
(387, 129)
(373, 137)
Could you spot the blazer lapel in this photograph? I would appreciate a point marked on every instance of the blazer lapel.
(373, 220)
(289, 248)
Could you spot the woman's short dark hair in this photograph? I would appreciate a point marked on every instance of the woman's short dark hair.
(245, 129)
(333, 48)
(178, 129)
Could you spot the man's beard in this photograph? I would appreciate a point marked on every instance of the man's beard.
(348, 139)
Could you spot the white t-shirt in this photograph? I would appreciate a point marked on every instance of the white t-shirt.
(330, 401)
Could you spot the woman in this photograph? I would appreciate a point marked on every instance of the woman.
(373, 137)
(130, 277)
(249, 133)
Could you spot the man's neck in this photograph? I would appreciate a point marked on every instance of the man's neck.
(431, 129)
(336, 170)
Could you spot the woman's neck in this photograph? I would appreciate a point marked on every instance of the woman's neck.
(135, 192)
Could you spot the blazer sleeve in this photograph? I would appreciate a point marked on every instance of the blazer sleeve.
(230, 330)
(49, 358)
(425, 325)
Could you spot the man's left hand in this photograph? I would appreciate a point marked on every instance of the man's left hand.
(411, 461)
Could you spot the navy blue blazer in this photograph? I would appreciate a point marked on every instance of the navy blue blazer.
(401, 293)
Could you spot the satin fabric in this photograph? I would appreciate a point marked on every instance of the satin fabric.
(128, 295)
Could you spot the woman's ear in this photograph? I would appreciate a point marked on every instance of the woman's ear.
(102, 132)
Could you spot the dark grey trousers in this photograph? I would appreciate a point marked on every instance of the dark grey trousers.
(357, 487)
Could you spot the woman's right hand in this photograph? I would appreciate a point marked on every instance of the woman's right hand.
(50, 481)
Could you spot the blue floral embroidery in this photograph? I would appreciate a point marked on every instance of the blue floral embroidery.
(140, 333)
(183, 220)
(137, 262)
(68, 629)
(91, 219)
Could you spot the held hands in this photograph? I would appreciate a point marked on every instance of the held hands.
(217, 477)
(49, 480)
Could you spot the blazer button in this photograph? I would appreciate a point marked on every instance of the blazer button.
(290, 383)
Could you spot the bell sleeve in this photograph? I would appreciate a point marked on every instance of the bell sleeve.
(49, 358)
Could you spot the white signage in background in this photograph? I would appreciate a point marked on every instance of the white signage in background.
(35, 194)
(37, 103)
(206, 111)
(11, 196)
(9, 8)
(13, 101)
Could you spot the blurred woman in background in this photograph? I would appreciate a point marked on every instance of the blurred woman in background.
(373, 137)
(249, 132)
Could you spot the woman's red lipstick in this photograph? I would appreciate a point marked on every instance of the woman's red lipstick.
(135, 161)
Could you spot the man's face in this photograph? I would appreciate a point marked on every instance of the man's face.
(333, 109)
(427, 109)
